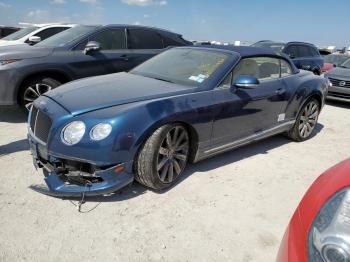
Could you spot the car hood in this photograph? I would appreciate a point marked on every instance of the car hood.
(338, 72)
(93, 93)
(23, 52)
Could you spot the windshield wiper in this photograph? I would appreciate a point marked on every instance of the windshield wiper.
(161, 79)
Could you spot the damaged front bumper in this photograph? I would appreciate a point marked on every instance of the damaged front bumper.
(68, 178)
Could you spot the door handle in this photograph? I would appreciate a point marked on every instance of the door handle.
(280, 91)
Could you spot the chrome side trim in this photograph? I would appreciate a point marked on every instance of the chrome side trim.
(248, 139)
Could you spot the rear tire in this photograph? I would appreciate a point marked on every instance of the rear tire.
(35, 88)
(306, 121)
(163, 157)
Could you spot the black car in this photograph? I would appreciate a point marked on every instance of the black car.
(27, 72)
(304, 55)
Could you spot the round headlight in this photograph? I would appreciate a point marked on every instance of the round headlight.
(73, 133)
(100, 131)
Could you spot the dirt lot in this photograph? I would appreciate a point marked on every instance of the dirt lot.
(234, 207)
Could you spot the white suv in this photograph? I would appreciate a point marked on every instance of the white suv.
(33, 34)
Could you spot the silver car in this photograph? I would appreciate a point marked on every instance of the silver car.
(340, 79)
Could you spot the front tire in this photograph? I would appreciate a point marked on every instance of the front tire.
(163, 157)
(35, 88)
(306, 121)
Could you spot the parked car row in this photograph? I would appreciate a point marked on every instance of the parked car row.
(84, 51)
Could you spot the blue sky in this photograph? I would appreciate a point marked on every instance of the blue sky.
(320, 22)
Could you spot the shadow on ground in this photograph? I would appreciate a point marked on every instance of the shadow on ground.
(12, 114)
(260, 147)
(338, 104)
(13, 147)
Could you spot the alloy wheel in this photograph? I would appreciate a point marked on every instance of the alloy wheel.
(173, 154)
(33, 92)
(308, 119)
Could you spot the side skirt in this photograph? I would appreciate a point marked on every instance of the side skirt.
(244, 141)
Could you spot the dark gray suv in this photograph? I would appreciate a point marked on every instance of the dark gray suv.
(304, 55)
(82, 51)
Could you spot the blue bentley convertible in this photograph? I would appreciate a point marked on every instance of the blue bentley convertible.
(96, 135)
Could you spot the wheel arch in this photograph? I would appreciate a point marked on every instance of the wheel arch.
(314, 95)
(58, 75)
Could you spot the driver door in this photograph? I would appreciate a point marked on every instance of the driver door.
(241, 112)
(113, 56)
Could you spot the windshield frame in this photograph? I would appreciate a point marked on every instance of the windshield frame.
(213, 78)
(27, 30)
(71, 42)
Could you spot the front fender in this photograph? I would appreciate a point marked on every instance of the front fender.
(132, 124)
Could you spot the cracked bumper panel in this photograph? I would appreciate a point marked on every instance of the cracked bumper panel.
(8, 83)
(63, 181)
(112, 182)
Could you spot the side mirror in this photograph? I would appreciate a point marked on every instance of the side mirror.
(92, 46)
(34, 40)
(246, 81)
(334, 65)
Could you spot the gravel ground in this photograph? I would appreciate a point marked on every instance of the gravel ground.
(234, 207)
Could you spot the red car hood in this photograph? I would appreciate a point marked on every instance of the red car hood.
(294, 244)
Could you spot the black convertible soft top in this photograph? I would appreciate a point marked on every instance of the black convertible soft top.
(248, 51)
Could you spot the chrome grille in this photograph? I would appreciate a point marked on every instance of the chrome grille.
(340, 83)
(40, 124)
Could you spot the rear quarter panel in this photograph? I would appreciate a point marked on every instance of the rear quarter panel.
(305, 85)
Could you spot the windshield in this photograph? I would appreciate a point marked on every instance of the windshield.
(66, 37)
(19, 34)
(184, 66)
(335, 59)
(346, 64)
(277, 47)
